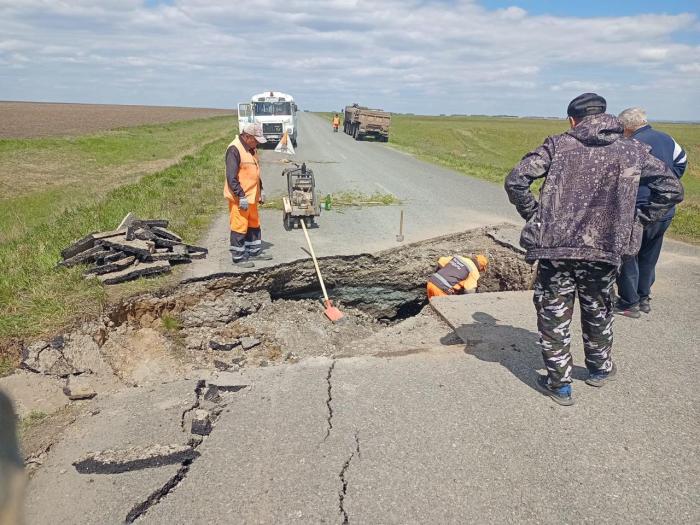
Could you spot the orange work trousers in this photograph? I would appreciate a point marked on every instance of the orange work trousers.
(240, 220)
(433, 291)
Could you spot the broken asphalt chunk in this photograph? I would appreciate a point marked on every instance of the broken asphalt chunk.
(167, 234)
(137, 246)
(226, 382)
(224, 347)
(116, 461)
(113, 266)
(78, 246)
(249, 342)
(79, 387)
(201, 423)
(88, 255)
(134, 272)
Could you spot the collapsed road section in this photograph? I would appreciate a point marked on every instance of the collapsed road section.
(272, 315)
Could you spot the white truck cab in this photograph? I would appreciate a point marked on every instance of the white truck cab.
(275, 111)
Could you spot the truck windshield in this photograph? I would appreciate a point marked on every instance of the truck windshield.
(273, 108)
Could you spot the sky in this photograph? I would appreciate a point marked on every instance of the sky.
(410, 56)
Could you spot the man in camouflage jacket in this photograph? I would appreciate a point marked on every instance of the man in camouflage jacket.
(584, 222)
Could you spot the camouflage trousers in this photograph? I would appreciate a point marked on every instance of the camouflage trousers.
(556, 286)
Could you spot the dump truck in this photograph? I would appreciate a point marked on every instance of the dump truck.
(363, 122)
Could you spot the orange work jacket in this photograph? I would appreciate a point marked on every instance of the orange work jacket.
(248, 174)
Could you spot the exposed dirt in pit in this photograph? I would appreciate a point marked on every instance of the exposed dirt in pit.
(274, 315)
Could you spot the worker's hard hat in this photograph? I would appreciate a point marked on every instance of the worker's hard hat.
(481, 262)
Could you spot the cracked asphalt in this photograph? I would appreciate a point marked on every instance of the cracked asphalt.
(453, 434)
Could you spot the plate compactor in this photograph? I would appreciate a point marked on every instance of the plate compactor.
(301, 202)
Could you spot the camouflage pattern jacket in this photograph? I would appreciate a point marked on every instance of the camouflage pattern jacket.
(586, 208)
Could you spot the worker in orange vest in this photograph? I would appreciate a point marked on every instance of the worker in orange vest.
(336, 122)
(243, 190)
(456, 275)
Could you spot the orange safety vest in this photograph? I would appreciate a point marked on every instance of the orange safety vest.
(248, 174)
(336, 121)
(455, 274)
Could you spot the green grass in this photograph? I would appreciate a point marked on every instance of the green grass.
(488, 148)
(37, 298)
(40, 178)
(345, 199)
(33, 418)
(170, 323)
(7, 365)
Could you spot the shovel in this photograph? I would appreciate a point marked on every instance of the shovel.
(331, 311)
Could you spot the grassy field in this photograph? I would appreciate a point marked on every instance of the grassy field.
(40, 178)
(170, 171)
(488, 148)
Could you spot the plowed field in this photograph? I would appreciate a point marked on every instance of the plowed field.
(39, 119)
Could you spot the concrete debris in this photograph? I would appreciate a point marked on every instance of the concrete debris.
(226, 382)
(212, 394)
(134, 272)
(224, 347)
(507, 236)
(42, 358)
(58, 342)
(116, 461)
(201, 423)
(135, 249)
(126, 221)
(249, 342)
(221, 365)
(79, 387)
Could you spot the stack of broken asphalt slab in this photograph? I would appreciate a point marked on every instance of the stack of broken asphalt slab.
(135, 249)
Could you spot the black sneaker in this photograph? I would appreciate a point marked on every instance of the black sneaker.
(243, 263)
(561, 395)
(598, 379)
(645, 305)
(628, 311)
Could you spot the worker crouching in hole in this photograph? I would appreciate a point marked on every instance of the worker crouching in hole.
(243, 190)
(456, 275)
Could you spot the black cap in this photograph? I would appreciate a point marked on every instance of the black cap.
(586, 104)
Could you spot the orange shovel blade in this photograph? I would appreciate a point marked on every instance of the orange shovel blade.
(332, 312)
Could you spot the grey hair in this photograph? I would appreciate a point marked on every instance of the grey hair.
(633, 118)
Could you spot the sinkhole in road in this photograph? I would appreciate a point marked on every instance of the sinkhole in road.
(383, 303)
(278, 309)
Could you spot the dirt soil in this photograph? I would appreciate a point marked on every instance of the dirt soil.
(39, 119)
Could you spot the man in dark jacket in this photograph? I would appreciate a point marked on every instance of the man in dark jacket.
(637, 273)
(583, 224)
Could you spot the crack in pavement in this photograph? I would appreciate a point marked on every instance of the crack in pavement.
(344, 481)
(329, 399)
(139, 510)
(195, 441)
(198, 394)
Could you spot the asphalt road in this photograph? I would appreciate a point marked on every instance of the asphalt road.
(436, 201)
(456, 434)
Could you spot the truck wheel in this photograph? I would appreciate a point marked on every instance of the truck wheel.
(356, 133)
(288, 222)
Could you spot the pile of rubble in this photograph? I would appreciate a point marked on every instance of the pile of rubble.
(136, 248)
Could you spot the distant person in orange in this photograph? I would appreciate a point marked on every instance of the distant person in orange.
(336, 122)
(456, 275)
(243, 190)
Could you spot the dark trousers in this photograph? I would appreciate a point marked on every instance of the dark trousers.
(244, 245)
(637, 273)
(558, 282)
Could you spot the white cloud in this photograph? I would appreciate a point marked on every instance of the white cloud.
(405, 55)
